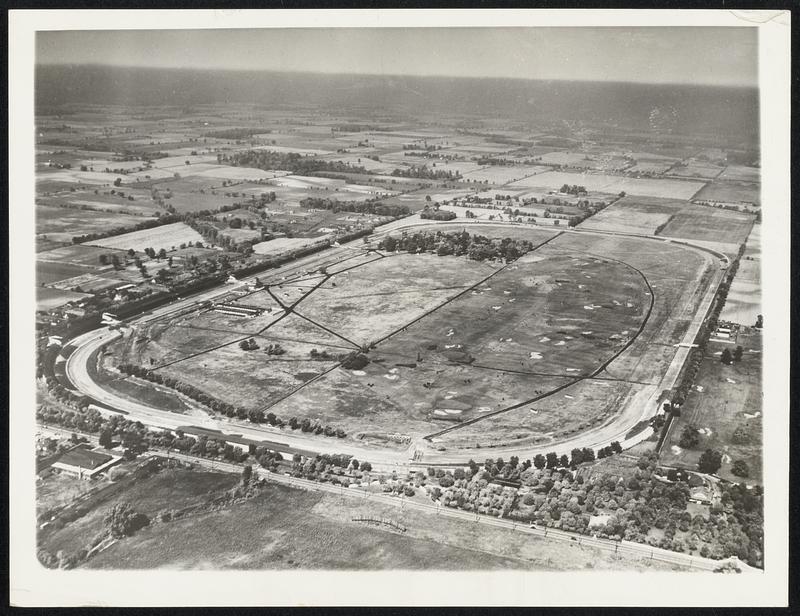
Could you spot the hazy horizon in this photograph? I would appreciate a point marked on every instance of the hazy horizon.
(653, 55)
(391, 75)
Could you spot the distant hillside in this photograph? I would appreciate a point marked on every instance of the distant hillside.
(731, 113)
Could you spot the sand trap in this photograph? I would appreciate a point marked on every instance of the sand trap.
(568, 397)
(535, 355)
(534, 411)
(700, 388)
(588, 308)
(391, 377)
(616, 303)
(569, 337)
(629, 305)
(438, 412)
(726, 459)
(544, 339)
(512, 300)
(448, 397)
(506, 292)
(625, 333)
(359, 372)
(560, 343)
(731, 381)
(587, 333)
(393, 371)
(450, 333)
(496, 307)
(572, 369)
(676, 450)
(718, 353)
(484, 409)
(752, 416)
(452, 411)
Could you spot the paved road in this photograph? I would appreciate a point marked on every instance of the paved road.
(640, 407)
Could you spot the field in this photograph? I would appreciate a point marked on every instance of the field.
(724, 399)
(167, 490)
(743, 303)
(741, 173)
(699, 170)
(728, 191)
(62, 224)
(165, 236)
(612, 184)
(268, 533)
(47, 298)
(709, 224)
(502, 175)
(635, 215)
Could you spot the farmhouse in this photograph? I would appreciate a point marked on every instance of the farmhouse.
(84, 463)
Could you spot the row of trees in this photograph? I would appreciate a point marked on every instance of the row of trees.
(287, 161)
(423, 172)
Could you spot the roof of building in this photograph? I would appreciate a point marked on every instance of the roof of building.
(84, 458)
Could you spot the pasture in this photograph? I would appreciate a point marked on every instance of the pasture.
(502, 175)
(62, 224)
(669, 189)
(728, 191)
(165, 236)
(709, 224)
(743, 303)
(635, 215)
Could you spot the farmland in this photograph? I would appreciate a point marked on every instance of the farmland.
(635, 215)
(553, 180)
(709, 224)
(166, 236)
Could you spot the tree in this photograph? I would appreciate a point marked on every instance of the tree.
(737, 353)
(690, 437)
(247, 474)
(366, 467)
(740, 469)
(162, 254)
(552, 460)
(759, 321)
(539, 461)
(103, 259)
(107, 438)
(563, 460)
(710, 461)
(122, 521)
(118, 182)
(726, 357)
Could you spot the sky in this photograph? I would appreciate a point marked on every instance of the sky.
(692, 55)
